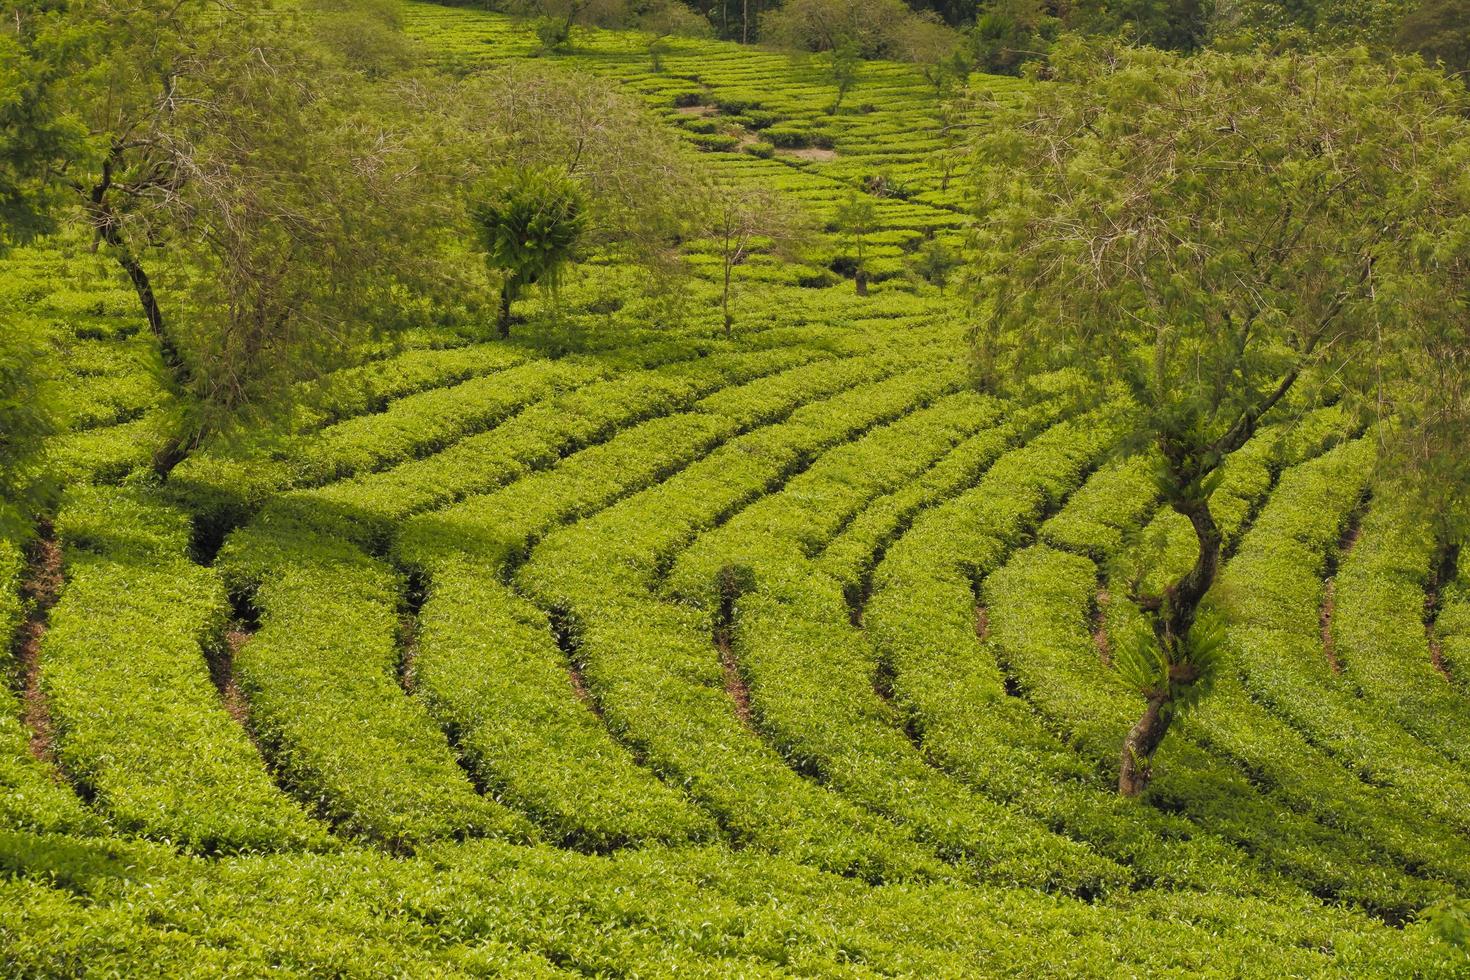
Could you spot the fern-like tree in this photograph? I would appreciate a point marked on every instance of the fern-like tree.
(530, 223)
(1214, 234)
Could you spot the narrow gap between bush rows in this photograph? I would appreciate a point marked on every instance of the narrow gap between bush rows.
(40, 589)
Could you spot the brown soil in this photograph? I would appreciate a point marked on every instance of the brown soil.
(408, 643)
(580, 689)
(735, 685)
(1099, 629)
(982, 623)
(815, 153)
(697, 110)
(1329, 589)
(1329, 646)
(1436, 657)
(224, 679)
(41, 588)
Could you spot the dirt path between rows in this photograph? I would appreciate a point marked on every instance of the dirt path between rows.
(735, 685)
(222, 672)
(1100, 627)
(41, 588)
(1329, 589)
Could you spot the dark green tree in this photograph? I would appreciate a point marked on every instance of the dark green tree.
(530, 223)
(1440, 31)
(40, 133)
(25, 422)
(1213, 233)
(1009, 33)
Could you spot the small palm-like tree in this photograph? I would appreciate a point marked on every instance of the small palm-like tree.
(529, 223)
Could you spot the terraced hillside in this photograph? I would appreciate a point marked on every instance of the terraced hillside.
(629, 649)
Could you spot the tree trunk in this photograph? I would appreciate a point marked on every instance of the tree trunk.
(744, 21)
(172, 453)
(1175, 615)
(1135, 768)
(152, 312)
(1186, 594)
(144, 288)
(862, 283)
(502, 319)
(725, 301)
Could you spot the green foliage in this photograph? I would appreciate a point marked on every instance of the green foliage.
(930, 705)
(530, 223)
(26, 421)
(366, 34)
(553, 33)
(1306, 24)
(856, 219)
(1010, 33)
(1118, 276)
(1184, 675)
(841, 64)
(866, 28)
(1450, 922)
(41, 132)
(1440, 31)
(1169, 327)
(935, 262)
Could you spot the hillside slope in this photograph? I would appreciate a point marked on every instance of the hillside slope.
(626, 648)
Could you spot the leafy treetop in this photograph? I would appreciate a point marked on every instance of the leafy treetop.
(1213, 232)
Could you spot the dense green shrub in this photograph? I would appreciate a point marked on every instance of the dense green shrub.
(147, 735)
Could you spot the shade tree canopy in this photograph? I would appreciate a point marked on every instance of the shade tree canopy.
(1215, 235)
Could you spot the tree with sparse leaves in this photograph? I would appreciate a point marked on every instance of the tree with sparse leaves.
(1214, 234)
(744, 218)
(857, 218)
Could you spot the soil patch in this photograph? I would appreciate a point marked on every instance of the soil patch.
(41, 588)
(222, 672)
(982, 623)
(735, 685)
(815, 153)
(1099, 628)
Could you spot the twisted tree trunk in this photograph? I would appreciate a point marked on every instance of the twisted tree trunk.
(1174, 616)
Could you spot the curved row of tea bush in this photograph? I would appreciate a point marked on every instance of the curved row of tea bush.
(811, 675)
(923, 619)
(1272, 593)
(321, 677)
(653, 667)
(488, 908)
(1378, 633)
(31, 796)
(489, 669)
(499, 526)
(1452, 626)
(541, 434)
(1259, 782)
(1274, 757)
(138, 723)
(566, 769)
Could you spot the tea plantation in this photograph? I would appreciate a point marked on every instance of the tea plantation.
(627, 647)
